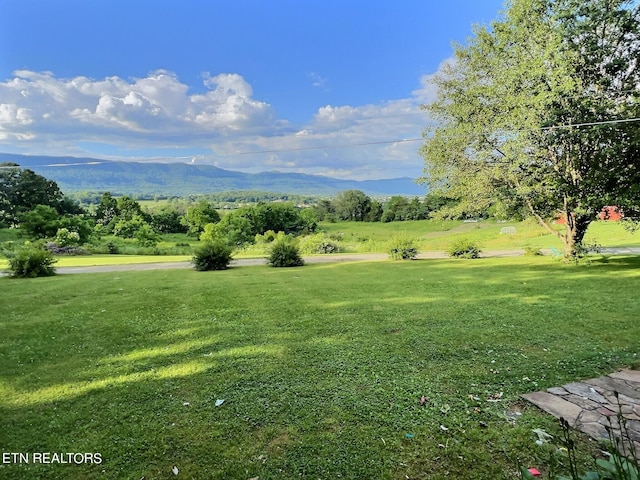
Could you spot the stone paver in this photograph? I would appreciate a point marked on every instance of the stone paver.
(556, 406)
(591, 405)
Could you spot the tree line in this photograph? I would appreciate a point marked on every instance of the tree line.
(38, 207)
(356, 206)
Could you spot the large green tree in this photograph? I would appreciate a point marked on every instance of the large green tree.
(199, 215)
(538, 115)
(21, 190)
(352, 205)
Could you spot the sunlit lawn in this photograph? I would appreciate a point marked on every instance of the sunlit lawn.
(438, 235)
(321, 368)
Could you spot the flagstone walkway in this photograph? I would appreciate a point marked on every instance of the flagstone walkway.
(590, 405)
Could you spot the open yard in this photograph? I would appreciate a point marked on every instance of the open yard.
(439, 234)
(321, 368)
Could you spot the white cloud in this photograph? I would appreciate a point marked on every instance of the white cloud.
(317, 80)
(40, 113)
(155, 104)
(352, 142)
(428, 91)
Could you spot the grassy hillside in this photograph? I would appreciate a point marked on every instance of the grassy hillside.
(438, 235)
(321, 368)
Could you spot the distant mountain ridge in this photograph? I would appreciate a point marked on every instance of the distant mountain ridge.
(75, 174)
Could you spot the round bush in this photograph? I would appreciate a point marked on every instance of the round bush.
(30, 262)
(402, 248)
(212, 255)
(284, 253)
(464, 248)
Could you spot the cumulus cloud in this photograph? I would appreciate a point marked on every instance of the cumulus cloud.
(155, 104)
(427, 92)
(41, 113)
(370, 141)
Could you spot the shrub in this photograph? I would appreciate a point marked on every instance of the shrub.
(31, 261)
(284, 253)
(212, 255)
(318, 243)
(532, 252)
(146, 237)
(66, 238)
(464, 248)
(402, 248)
(7, 248)
(267, 237)
(112, 248)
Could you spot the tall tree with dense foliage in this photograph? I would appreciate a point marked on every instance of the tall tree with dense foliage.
(107, 209)
(538, 114)
(21, 190)
(199, 215)
(352, 205)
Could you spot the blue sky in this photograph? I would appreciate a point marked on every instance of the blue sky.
(289, 85)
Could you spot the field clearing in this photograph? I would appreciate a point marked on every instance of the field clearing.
(438, 235)
(321, 368)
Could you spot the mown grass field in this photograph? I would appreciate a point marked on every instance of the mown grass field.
(321, 368)
(438, 235)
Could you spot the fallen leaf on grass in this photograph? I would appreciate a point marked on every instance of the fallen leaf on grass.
(175, 470)
(423, 400)
(219, 402)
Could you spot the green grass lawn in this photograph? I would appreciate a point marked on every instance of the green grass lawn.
(322, 368)
(438, 235)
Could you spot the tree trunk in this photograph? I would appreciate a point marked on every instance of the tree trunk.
(576, 227)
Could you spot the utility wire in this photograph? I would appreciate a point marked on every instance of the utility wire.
(346, 145)
(407, 140)
(364, 144)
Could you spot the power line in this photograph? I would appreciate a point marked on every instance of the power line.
(346, 145)
(407, 140)
(592, 124)
(362, 144)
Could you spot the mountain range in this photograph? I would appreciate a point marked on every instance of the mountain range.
(73, 174)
